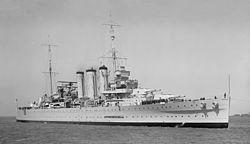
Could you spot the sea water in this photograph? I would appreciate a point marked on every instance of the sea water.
(12, 132)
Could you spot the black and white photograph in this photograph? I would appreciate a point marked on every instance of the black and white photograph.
(124, 71)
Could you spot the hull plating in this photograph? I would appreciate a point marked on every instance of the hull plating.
(177, 114)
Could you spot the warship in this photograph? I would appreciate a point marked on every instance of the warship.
(108, 96)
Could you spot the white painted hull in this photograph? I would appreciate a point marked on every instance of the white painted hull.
(186, 114)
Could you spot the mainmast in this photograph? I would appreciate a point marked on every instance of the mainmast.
(50, 65)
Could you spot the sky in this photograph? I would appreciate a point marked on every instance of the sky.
(186, 47)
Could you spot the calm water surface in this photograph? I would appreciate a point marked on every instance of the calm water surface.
(41, 133)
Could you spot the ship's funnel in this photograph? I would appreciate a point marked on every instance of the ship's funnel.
(80, 83)
(103, 78)
(91, 87)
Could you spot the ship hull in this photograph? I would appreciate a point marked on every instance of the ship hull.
(149, 124)
(175, 114)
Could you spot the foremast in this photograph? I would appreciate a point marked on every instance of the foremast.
(120, 84)
(114, 53)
